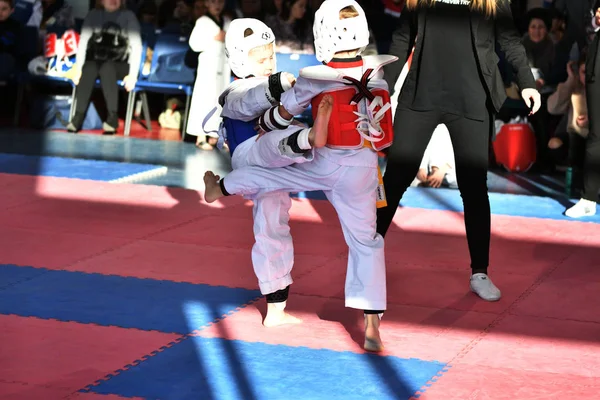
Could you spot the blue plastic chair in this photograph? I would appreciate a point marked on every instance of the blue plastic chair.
(168, 72)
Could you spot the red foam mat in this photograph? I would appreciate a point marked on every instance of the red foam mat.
(540, 345)
(177, 262)
(309, 238)
(468, 382)
(69, 355)
(24, 391)
(52, 250)
(417, 285)
(573, 299)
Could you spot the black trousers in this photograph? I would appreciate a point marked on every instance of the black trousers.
(109, 73)
(470, 140)
(591, 167)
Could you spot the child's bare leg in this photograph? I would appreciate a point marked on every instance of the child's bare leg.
(276, 314)
(317, 137)
(372, 338)
(213, 188)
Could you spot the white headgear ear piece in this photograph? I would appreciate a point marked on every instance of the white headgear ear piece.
(237, 46)
(333, 34)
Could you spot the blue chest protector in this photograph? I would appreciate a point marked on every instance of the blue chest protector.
(238, 132)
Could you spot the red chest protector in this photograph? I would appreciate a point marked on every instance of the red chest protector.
(351, 126)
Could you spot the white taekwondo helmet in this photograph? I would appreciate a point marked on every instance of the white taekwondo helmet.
(333, 34)
(237, 46)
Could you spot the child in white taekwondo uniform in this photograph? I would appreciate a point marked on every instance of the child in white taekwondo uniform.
(249, 44)
(346, 169)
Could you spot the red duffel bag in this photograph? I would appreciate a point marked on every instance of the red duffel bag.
(515, 147)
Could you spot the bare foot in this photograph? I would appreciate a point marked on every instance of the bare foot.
(276, 316)
(213, 189)
(317, 136)
(372, 338)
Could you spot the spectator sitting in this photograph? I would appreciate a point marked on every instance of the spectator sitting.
(292, 28)
(110, 48)
(248, 9)
(9, 34)
(570, 99)
(539, 45)
(57, 16)
(182, 21)
(438, 166)
(28, 12)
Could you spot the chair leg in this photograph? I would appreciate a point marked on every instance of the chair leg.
(20, 95)
(129, 112)
(569, 182)
(73, 104)
(185, 116)
(146, 111)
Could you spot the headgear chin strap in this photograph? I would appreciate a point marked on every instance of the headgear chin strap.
(237, 46)
(333, 34)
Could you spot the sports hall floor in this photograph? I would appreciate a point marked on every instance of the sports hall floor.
(118, 281)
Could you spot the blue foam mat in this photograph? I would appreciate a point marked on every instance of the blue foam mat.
(12, 274)
(209, 368)
(106, 300)
(516, 205)
(70, 167)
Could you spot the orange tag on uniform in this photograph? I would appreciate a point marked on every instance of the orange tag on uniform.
(381, 200)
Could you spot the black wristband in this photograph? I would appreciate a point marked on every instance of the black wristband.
(275, 86)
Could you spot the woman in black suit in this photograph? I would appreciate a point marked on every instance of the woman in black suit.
(591, 168)
(454, 80)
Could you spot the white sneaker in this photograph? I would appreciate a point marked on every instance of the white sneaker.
(483, 286)
(583, 208)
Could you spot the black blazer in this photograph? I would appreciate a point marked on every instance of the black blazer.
(485, 33)
(593, 51)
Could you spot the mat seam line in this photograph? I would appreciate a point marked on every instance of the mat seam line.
(136, 362)
(471, 345)
(194, 333)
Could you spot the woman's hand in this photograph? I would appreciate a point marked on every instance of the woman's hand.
(422, 175)
(436, 178)
(532, 99)
(220, 36)
(129, 83)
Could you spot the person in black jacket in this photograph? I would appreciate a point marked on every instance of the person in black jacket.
(591, 168)
(454, 80)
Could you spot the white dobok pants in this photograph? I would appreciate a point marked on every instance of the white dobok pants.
(352, 192)
(273, 250)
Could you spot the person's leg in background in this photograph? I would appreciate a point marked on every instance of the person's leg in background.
(110, 72)
(591, 168)
(412, 133)
(273, 254)
(83, 94)
(470, 141)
